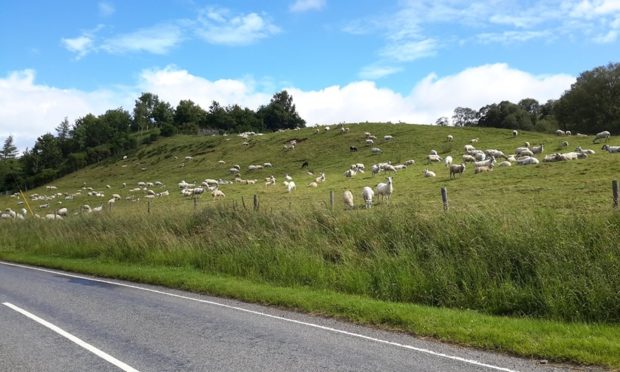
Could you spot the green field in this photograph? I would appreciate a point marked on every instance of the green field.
(536, 244)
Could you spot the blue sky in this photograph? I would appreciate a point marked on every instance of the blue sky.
(343, 61)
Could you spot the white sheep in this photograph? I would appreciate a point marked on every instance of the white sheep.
(62, 212)
(369, 141)
(313, 184)
(218, 194)
(291, 186)
(527, 160)
(537, 149)
(350, 173)
(515, 133)
(348, 199)
(434, 152)
(469, 148)
(428, 173)
(560, 132)
(388, 137)
(485, 163)
(409, 162)
(585, 151)
(385, 190)
(320, 178)
(468, 158)
(450, 138)
(504, 163)
(448, 161)
(611, 149)
(376, 150)
(367, 195)
(433, 158)
(483, 169)
(604, 134)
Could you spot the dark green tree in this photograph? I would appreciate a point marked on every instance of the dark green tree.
(280, 113)
(464, 117)
(592, 104)
(188, 116)
(9, 150)
(143, 111)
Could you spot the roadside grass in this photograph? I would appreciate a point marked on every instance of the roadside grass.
(581, 343)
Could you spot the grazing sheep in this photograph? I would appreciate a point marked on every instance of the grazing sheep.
(367, 195)
(409, 162)
(604, 134)
(468, 158)
(611, 149)
(515, 133)
(450, 138)
(376, 150)
(313, 184)
(456, 169)
(485, 163)
(434, 152)
(350, 173)
(305, 164)
(469, 148)
(474, 140)
(560, 132)
(495, 153)
(448, 160)
(385, 190)
(217, 194)
(564, 144)
(370, 141)
(387, 137)
(353, 148)
(348, 199)
(428, 173)
(291, 186)
(267, 165)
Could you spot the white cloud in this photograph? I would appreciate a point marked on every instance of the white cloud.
(306, 5)
(28, 109)
(158, 39)
(105, 8)
(410, 50)
(374, 72)
(81, 45)
(217, 27)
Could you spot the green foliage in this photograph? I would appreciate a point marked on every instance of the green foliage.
(280, 113)
(168, 130)
(593, 102)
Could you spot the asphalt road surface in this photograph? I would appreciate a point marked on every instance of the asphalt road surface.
(56, 321)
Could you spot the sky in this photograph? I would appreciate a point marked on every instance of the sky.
(342, 61)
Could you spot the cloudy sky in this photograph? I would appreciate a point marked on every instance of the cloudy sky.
(343, 61)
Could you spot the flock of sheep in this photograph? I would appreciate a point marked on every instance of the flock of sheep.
(480, 160)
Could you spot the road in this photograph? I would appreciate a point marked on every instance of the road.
(56, 321)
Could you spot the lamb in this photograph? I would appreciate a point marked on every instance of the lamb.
(483, 169)
(611, 149)
(585, 151)
(428, 173)
(457, 169)
(367, 195)
(348, 199)
(385, 190)
(448, 161)
(604, 134)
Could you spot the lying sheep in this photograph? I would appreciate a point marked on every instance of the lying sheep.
(483, 169)
(428, 173)
(433, 158)
(611, 149)
(527, 160)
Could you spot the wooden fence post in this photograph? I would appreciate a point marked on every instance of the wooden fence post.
(331, 199)
(195, 202)
(444, 198)
(148, 206)
(614, 191)
(256, 203)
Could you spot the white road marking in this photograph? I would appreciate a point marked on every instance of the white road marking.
(101, 354)
(313, 325)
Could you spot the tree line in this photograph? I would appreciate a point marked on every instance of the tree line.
(91, 139)
(591, 105)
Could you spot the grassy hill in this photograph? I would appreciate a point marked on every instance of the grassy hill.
(581, 186)
(537, 241)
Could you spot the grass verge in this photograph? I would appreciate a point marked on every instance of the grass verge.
(581, 343)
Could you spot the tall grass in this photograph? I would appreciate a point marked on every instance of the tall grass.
(539, 263)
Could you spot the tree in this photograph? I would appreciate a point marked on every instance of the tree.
(9, 150)
(592, 104)
(464, 117)
(280, 113)
(188, 116)
(143, 111)
(442, 121)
